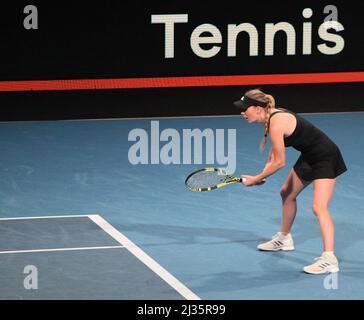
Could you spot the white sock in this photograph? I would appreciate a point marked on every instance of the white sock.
(329, 253)
(283, 235)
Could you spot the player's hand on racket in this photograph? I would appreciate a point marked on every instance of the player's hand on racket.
(249, 181)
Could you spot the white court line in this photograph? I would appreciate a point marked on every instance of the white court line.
(143, 257)
(47, 217)
(59, 249)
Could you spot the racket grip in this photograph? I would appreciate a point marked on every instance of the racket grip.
(258, 184)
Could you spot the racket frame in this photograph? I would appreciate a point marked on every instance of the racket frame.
(229, 179)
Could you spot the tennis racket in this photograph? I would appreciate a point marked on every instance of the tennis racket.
(211, 178)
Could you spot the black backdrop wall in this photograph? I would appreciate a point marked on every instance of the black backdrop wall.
(110, 43)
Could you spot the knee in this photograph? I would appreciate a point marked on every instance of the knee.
(318, 208)
(286, 194)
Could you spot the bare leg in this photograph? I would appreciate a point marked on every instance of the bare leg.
(322, 192)
(289, 192)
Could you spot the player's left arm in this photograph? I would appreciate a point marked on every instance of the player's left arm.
(277, 155)
(270, 157)
(278, 151)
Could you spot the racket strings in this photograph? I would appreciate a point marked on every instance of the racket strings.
(205, 179)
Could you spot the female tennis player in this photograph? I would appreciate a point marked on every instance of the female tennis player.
(320, 162)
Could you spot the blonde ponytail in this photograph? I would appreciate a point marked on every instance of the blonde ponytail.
(259, 95)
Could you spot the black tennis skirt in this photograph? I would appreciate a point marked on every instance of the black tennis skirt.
(328, 166)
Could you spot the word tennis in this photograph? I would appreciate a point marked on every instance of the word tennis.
(209, 35)
(170, 146)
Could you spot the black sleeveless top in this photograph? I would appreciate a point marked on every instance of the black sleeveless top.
(320, 156)
(308, 139)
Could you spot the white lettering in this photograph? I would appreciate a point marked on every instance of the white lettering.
(141, 147)
(331, 281)
(206, 39)
(197, 39)
(270, 31)
(327, 36)
(307, 32)
(31, 280)
(233, 32)
(171, 147)
(154, 310)
(169, 20)
(31, 20)
(170, 152)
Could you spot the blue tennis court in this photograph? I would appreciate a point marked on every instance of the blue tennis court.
(97, 226)
(78, 257)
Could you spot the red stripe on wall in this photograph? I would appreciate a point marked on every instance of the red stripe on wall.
(169, 82)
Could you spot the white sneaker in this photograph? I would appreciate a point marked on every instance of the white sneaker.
(278, 242)
(327, 263)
